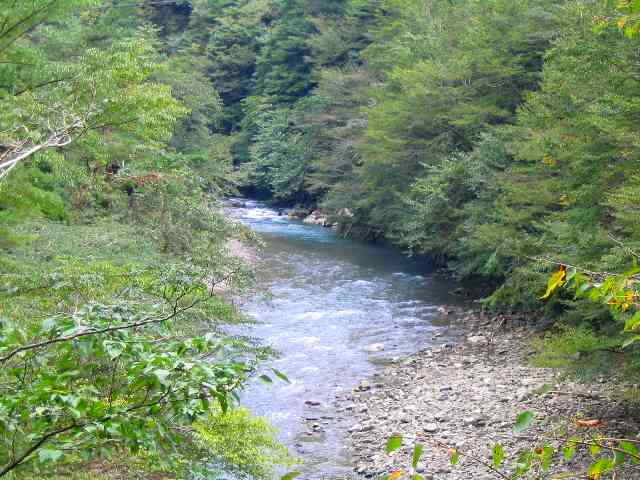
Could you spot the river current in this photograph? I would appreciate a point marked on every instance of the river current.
(336, 310)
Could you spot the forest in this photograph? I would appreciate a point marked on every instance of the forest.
(499, 139)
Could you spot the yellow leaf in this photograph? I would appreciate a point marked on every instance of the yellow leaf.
(555, 282)
(547, 159)
(622, 22)
(395, 475)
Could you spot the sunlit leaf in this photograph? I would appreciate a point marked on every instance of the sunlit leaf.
(49, 455)
(555, 281)
(291, 475)
(630, 341)
(633, 323)
(524, 421)
(601, 466)
(394, 443)
(631, 449)
(417, 454)
(498, 455)
(280, 375)
(568, 453)
(547, 457)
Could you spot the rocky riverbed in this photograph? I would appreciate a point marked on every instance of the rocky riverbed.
(467, 395)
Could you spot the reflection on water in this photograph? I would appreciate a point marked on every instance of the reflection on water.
(337, 308)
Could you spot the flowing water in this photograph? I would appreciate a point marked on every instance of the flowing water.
(336, 310)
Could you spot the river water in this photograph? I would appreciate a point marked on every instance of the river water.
(336, 310)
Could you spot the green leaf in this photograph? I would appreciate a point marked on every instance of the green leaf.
(223, 401)
(498, 455)
(114, 349)
(162, 375)
(631, 341)
(455, 457)
(547, 457)
(523, 465)
(417, 453)
(265, 378)
(291, 475)
(569, 452)
(601, 466)
(524, 421)
(394, 443)
(632, 450)
(631, 272)
(49, 455)
(280, 375)
(633, 323)
(619, 458)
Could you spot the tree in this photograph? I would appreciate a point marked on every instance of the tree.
(283, 72)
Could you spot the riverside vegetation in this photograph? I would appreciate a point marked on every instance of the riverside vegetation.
(498, 138)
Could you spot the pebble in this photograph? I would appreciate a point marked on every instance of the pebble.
(431, 428)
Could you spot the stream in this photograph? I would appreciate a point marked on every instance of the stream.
(336, 310)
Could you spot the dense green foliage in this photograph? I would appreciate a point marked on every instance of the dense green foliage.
(115, 262)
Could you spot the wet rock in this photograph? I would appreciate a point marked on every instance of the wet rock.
(297, 213)
(363, 386)
(317, 218)
(374, 347)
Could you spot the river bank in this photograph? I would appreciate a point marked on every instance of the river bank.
(466, 395)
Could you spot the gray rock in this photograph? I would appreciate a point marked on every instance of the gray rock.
(363, 386)
(431, 428)
(476, 339)
(474, 421)
(374, 347)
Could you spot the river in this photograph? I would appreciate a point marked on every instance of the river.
(336, 310)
